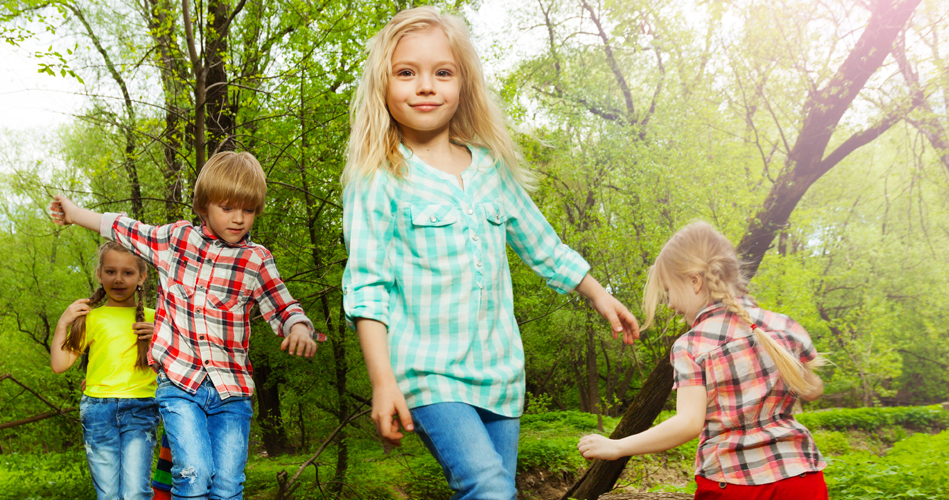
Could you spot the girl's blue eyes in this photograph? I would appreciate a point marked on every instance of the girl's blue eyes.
(441, 74)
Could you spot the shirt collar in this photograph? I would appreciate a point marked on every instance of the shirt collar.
(477, 162)
(719, 308)
(211, 238)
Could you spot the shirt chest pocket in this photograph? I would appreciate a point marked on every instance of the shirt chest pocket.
(224, 297)
(494, 226)
(435, 230)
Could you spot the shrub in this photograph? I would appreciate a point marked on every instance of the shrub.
(919, 418)
(53, 475)
(913, 468)
(832, 442)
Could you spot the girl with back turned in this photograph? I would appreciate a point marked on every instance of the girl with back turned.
(434, 194)
(738, 372)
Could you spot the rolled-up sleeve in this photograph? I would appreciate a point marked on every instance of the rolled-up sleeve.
(277, 306)
(687, 371)
(535, 241)
(367, 228)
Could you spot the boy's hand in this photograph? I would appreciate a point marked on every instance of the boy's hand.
(60, 209)
(388, 402)
(144, 331)
(76, 309)
(619, 317)
(299, 342)
(597, 446)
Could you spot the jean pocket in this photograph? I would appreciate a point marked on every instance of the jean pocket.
(162, 378)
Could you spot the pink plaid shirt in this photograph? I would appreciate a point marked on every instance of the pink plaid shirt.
(205, 294)
(750, 436)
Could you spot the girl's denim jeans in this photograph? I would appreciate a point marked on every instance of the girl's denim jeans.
(208, 438)
(120, 436)
(477, 449)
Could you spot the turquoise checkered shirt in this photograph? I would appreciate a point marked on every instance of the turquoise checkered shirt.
(428, 259)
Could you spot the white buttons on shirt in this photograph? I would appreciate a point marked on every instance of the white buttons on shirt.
(475, 237)
(434, 219)
(478, 263)
(469, 211)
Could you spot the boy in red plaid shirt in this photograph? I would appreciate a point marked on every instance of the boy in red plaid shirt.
(209, 279)
(738, 372)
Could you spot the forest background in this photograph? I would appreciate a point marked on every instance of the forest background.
(812, 133)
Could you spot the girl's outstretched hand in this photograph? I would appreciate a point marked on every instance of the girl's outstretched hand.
(596, 446)
(389, 410)
(144, 330)
(76, 309)
(621, 320)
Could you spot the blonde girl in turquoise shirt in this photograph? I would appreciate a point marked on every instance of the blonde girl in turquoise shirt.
(434, 194)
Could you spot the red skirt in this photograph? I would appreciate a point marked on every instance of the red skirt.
(808, 486)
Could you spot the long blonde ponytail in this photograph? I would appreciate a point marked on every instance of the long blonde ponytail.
(698, 249)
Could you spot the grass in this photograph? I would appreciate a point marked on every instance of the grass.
(862, 461)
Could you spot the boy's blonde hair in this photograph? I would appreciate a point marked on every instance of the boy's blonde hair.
(230, 177)
(375, 136)
(698, 249)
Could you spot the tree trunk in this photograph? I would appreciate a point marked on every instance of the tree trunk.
(269, 415)
(172, 73)
(822, 112)
(219, 121)
(602, 475)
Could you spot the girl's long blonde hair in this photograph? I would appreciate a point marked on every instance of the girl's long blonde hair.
(698, 249)
(77, 331)
(375, 136)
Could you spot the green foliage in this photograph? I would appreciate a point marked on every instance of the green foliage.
(919, 418)
(537, 404)
(832, 442)
(913, 468)
(45, 475)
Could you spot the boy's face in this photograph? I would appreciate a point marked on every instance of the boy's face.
(228, 221)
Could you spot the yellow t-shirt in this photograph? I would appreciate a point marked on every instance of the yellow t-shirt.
(112, 354)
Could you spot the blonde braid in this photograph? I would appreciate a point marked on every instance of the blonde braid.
(790, 368)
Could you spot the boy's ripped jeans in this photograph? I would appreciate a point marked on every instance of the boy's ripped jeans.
(119, 434)
(208, 438)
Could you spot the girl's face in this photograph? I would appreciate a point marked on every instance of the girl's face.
(119, 275)
(687, 296)
(424, 87)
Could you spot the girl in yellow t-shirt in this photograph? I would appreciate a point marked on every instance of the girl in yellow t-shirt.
(118, 410)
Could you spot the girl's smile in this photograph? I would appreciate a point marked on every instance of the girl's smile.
(120, 277)
(424, 86)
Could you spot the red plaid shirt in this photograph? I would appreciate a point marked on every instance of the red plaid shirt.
(205, 294)
(750, 436)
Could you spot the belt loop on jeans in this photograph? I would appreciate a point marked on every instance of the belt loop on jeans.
(722, 485)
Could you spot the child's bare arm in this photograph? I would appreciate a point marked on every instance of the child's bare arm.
(65, 212)
(387, 399)
(615, 312)
(61, 359)
(687, 424)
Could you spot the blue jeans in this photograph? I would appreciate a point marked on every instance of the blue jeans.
(120, 436)
(476, 448)
(208, 438)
